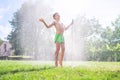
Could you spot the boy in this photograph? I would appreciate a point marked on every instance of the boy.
(59, 38)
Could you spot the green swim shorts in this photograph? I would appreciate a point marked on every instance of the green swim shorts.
(59, 38)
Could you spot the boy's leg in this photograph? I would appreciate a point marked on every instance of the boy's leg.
(56, 53)
(62, 53)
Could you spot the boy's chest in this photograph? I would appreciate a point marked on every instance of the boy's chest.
(59, 25)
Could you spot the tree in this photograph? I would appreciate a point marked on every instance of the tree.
(28, 36)
(1, 41)
(110, 39)
(83, 33)
(116, 32)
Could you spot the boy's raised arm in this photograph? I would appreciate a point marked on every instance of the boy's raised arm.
(48, 26)
(69, 25)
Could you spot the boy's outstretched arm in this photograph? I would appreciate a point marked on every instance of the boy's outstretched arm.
(48, 26)
(69, 25)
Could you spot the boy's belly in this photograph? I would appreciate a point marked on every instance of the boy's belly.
(59, 31)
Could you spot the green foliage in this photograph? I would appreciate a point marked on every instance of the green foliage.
(1, 41)
(13, 37)
(116, 32)
(107, 46)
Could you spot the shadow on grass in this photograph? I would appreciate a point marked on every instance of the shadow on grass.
(29, 70)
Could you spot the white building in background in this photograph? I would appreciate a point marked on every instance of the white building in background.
(5, 49)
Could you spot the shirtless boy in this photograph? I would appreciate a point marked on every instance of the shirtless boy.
(59, 38)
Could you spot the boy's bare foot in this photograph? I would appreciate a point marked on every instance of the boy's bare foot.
(60, 63)
(56, 64)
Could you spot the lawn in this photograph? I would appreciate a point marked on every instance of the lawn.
(38, 70)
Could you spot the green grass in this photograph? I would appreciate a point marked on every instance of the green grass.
(36, 70)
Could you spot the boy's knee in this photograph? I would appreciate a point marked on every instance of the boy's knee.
(63, 49)
(57, 48)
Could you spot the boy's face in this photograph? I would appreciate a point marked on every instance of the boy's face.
(57, 16)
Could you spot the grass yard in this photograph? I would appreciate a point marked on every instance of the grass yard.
(37, 70)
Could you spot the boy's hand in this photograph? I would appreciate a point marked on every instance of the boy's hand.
(41, 20)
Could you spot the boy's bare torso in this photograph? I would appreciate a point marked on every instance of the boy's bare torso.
(59, 27)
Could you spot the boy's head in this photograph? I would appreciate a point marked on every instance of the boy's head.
(56, 16)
